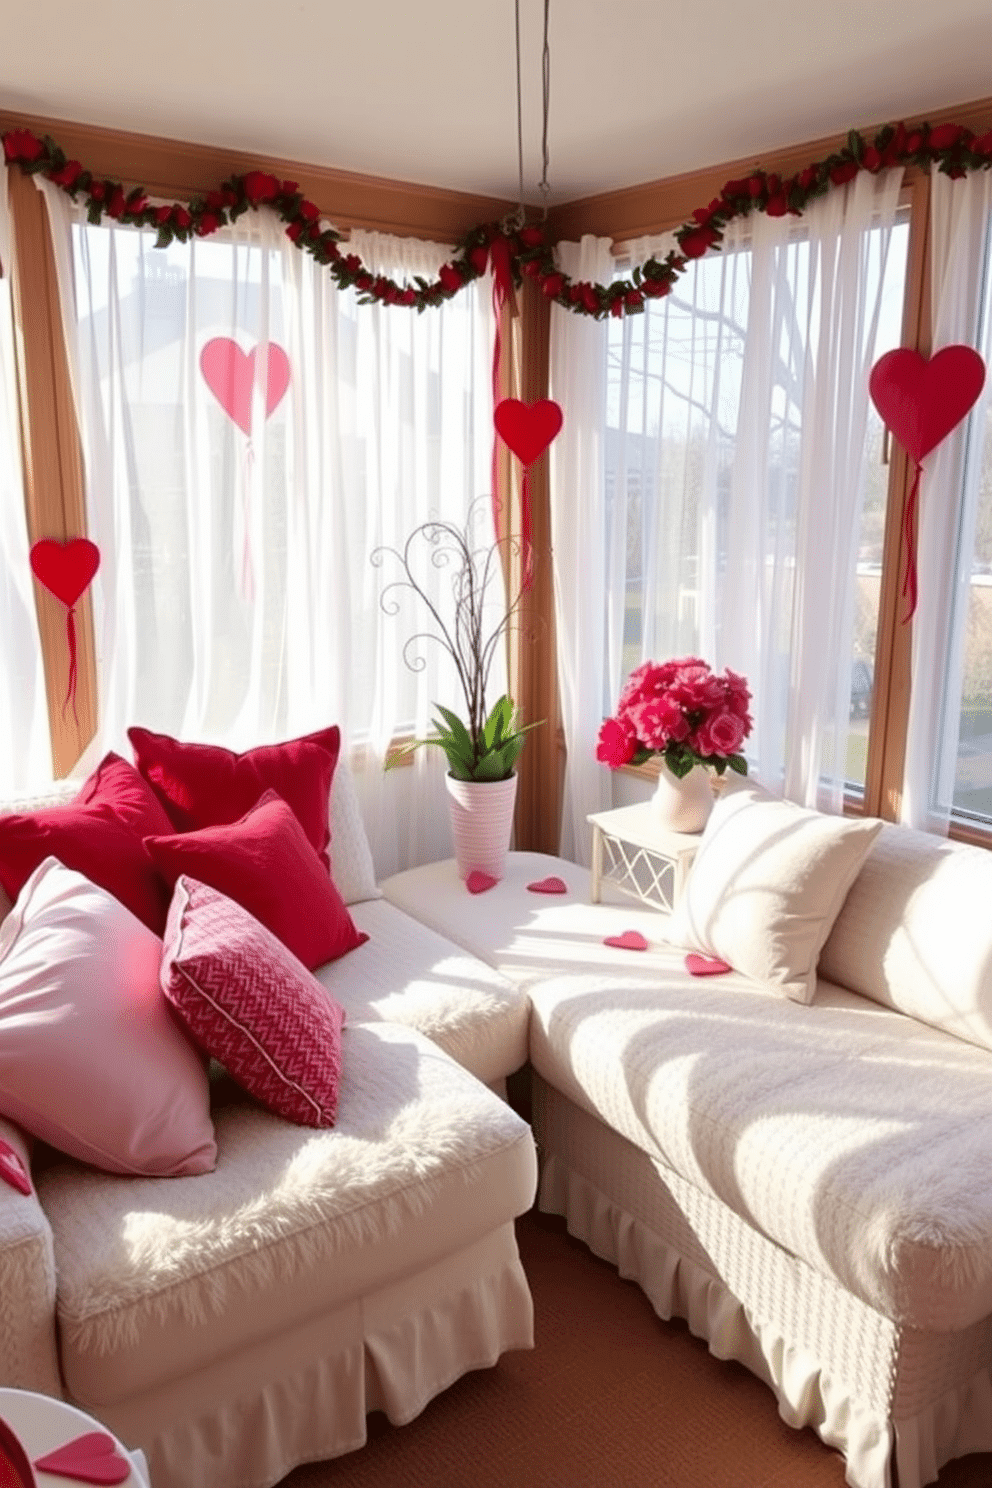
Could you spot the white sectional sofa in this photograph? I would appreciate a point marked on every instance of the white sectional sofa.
(806, 1184)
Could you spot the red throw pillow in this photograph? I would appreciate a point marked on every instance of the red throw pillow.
(265, 863)
(99, 834)
(203, 785)
(249, 1002)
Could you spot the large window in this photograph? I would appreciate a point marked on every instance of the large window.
(746, 479)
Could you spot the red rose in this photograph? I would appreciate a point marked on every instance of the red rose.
(633, 299)
(309, 211)
(658, 722)
(209, 222)
(215, 200)
(98, 190)
(162, 214)
(735, 188)
(871, 160)
(364, 282)
(352, 263)
(722, 734)
(807, 178)
(408, 297)
(532, 237)
(260, 187)
(983, 145)
(777, 205)
(21, 144)
(756, 185)
(617, 743)
(229, 196)
(289, 188)
(450, 278)
(616, 306)
(695, 242)
(655, 288)
(136, 203)
(181, 217)
(552, 285)
(115, 206)
(914, 142)
(703, 214)
(532, 268)
(945, 136)
(68, 175)
(590, 299)
(846, 171)
(479, 259)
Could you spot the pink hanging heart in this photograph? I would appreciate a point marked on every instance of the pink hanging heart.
(527, 428)
(478, 882)
(65, 569)
(550, 885)
(630, 940)
(12, 1170)
(922, 401)
(91, 1458)
(705, 965)
(230, 375)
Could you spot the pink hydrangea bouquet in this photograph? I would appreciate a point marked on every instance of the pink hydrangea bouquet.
(683, 711)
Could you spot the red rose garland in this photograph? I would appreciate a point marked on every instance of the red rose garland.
(523, 250)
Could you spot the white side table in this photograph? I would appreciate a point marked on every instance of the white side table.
(42, 1424)
(639, 857)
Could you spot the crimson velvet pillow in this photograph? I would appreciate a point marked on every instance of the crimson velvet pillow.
(250, 1003)
(265, 863)
(204, 785)
(98, 834)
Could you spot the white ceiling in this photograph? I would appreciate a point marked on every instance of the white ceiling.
(425, 90)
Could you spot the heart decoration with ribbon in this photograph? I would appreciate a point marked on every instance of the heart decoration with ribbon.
(921, 402)
(66, 569)
(527, 430)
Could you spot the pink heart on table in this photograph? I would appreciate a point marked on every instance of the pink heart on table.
(527, 428)
(478, 882)
(12, 1170)
(91, 1458)
(551, 885)
(922, 401)
(630, 940)
(697, 965)
(230, 374)
(65, 569)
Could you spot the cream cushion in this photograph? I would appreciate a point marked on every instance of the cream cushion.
(913, 933)
(352, 868)
(766, 886)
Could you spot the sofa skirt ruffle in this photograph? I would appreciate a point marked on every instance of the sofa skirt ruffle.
(897, 1416)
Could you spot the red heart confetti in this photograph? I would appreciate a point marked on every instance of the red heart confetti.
(91, 1458)
(630, 940)
(551, 885)
(697, 965)
(12, 1170)
(478, 882)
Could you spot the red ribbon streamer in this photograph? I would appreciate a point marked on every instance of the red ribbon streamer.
(909, 583)
(70, 634)
(499, 260)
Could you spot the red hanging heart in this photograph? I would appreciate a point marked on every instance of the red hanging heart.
(527, 428)
(922, 401)
(91, 1458)
(230, 375)
(630, 940)
(65, 569)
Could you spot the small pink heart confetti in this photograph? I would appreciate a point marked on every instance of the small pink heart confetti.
(630, 940)
(12, 1170)
(551, 885)
(478, 882)
(91, 1458)
(697, 965)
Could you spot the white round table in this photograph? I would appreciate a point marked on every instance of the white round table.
(43, 1423)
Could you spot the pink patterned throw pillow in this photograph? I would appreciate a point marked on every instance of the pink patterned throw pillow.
(249, 1002)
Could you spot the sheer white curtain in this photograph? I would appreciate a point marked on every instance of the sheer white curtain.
(734, 427)
(237, 601)
(25, 742)
(950, 488)
(578, 524)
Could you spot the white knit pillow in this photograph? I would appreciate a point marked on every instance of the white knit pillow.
(352, 868)
(767, 884)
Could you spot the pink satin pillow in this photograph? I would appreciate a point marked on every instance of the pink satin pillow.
(91, 1059)
(250, 1003)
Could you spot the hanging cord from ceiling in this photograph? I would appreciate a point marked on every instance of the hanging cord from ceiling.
(518, 218)
(544, 187)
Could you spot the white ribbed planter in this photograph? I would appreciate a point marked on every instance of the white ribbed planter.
(683, 805)
(481, 823)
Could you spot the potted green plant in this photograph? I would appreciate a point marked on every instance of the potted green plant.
(482, 745)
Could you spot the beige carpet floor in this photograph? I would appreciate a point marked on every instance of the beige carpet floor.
(610, 1396)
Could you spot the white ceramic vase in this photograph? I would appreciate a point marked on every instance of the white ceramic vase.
(481, 823)
(683, 804)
